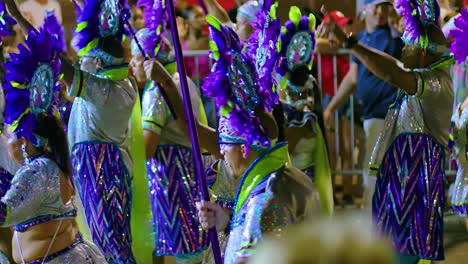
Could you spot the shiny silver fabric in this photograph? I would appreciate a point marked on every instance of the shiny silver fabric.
(428, 111)
(35, 191)
(289, 197)
(101, 111)
(85, 253)
(156, 111)
(459, 191)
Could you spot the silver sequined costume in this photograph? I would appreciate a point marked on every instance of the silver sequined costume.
(34, 198)
(409, 161)
(270, 197)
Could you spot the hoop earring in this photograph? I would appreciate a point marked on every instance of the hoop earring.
(25, 154)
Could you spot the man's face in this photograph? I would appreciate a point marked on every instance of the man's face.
(233, 156)
(90, 64)
(377, 15)
(137, 19)
(198, 21)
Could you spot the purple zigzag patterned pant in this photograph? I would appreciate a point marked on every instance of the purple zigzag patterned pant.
(104, 185)
(173, 191)
(409, 196)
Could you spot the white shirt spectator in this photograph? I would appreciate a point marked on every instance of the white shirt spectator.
(35, 10)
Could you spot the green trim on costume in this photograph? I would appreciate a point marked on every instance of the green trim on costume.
(115, 73)
(91, 45)
(171, 67)
(142, 217)
(261, 168)
(323, 177)
(15, 123)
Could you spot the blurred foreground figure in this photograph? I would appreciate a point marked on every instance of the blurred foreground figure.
(344, 240)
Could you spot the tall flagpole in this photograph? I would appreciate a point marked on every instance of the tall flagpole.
(197, 157)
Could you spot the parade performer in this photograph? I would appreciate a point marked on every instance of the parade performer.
(105, 126)
(100, 137)
(302, 127)
(459, 193)
(39, 201)
(264, 198)
(409, 157)
(172, 180)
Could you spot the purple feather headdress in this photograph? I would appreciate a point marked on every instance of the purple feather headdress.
(460, 34)
(6, 22)
(263, 51)
(297, 43)
(99, 19)
(232, 83)
(32, 83)
(418, 14)
(53, 25)
(156, 17)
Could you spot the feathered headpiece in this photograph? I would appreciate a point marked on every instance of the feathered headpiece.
(418, 14)
(99, 19)
(232, 83)
(54, 26)
(240, 81)
(32, 82)
(156, 17)
(263, 50)
(6, 22)
(298, 43)
(460, 34)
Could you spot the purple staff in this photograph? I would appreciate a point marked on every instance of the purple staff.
(192, 126)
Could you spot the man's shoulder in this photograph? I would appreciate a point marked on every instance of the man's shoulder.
(290, 178)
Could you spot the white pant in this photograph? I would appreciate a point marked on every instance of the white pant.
(372, 128)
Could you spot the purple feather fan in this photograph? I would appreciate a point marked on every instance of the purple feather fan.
(262, 52)
(6, 22)
(89, 26)
(78, 8)
(460, 34)
(418, 14)
(54, 26)
(156, 17)
(32, 81)
(233, 85)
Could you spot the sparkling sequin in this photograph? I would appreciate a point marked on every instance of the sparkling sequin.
(409, 194)
(104, 185)
(42, 89)
(300, 49)
(43, 176)
(459, 191)
(173, 192)
(101, 112)
(268, 209)
(79, 251)
(243, 82)
(108, 18)
(173, 186)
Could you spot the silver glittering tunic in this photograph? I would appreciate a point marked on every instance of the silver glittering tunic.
(34, 196)
(270, 197)
(101, 111)
(157, 116)
(427, 112)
